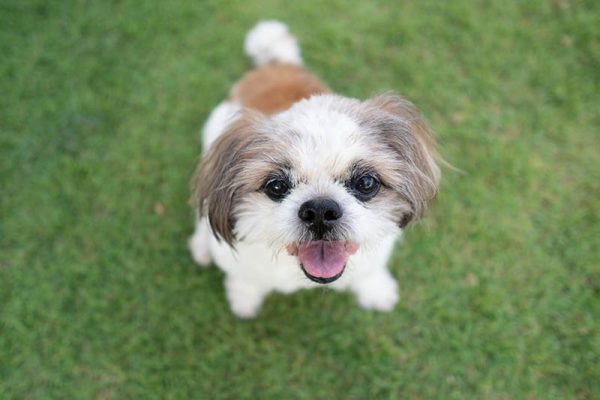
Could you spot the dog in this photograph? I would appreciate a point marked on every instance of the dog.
(299, 187)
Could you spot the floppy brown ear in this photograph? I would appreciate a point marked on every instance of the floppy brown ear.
(402, 129)
(219, 181)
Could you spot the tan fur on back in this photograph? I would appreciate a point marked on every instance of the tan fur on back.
(275, 87)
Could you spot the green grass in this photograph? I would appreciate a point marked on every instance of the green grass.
(100, 107)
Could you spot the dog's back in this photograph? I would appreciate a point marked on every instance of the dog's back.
(279, 79)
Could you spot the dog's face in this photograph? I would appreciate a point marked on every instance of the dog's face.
(321, 180)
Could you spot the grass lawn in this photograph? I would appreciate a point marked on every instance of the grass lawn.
(100, 107)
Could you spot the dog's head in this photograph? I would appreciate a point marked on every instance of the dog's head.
(320, 180)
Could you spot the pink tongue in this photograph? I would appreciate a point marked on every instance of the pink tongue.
(323, 259)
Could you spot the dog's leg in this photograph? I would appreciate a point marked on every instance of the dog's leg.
(378, 291)
(374, 286)
(199, 243)
(244, 299)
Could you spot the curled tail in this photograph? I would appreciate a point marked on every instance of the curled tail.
(270, 41)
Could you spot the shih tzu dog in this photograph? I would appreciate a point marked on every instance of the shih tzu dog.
(299, 187)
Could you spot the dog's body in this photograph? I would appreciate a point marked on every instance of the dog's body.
(298, 183)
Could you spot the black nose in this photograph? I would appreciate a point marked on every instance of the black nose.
(320, 215)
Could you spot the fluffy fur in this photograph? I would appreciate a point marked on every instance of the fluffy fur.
(281, 124)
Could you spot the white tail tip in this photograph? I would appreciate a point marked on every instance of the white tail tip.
(270, 41)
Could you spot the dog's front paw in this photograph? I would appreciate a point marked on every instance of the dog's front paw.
(378, 293)
(199, 244)
(199, 251)
(245, 300)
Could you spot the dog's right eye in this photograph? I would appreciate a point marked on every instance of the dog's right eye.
(277, 189)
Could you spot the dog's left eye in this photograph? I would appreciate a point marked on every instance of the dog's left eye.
(366, 187)
(277, 189)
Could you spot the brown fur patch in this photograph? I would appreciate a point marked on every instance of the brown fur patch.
(233, 166)
(403, 108)
(415, 174)
(275, 87)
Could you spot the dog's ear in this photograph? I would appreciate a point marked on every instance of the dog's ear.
(400, 128)
(221, 177)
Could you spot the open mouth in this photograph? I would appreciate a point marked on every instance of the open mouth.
(323, 261)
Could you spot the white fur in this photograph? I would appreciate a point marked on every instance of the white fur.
(271, 41)
(260, 264)
(199, 244)
(253, 271)
(328, 141)
(224, 114)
